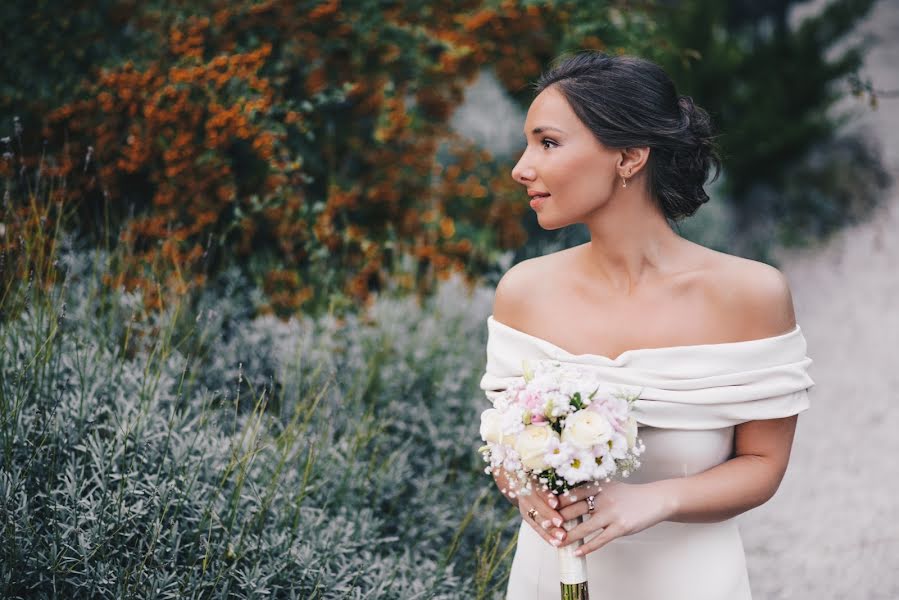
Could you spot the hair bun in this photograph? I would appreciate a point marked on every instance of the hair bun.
(687, 107)
(694, 119)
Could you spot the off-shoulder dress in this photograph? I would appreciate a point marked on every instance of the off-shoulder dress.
(691, 399)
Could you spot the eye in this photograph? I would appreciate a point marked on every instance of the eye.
(545, 141)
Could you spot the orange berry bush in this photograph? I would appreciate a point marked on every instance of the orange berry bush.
(312, 140)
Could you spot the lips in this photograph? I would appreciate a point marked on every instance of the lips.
(537, 201)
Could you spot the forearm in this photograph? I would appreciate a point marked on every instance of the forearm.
(724, 491)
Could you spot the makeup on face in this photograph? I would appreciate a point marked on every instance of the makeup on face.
(563, 168)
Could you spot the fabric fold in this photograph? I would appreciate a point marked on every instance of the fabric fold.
(705, 386)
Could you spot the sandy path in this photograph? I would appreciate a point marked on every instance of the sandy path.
(832, 530)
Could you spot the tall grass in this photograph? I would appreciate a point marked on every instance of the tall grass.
(204, 452)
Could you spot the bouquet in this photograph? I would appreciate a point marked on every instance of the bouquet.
(559, 427)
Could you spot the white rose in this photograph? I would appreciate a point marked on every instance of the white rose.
(586, 428)
(630, 431)
(532, 445)
(492, 426)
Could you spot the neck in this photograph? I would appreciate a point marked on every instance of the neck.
(631, 243)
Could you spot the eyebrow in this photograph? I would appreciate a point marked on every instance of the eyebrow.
(543, 128)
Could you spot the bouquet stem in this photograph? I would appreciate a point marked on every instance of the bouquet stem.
(575, 591)
(573, 569)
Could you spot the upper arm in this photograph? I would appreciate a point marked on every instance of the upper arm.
(767, 309)
(771, 441)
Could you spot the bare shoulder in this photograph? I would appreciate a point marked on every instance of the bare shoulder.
(756, 293)
(517, 293)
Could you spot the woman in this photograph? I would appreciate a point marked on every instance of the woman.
(710, 338)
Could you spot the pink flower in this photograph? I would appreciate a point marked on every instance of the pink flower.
(530, 399)
(602, 409)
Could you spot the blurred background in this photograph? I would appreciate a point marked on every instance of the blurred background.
(247, 251)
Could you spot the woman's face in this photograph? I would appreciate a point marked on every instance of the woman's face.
(564, 159)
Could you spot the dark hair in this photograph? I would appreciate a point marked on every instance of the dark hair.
(628, 101)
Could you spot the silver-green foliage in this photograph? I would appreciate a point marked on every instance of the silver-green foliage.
(208, 454)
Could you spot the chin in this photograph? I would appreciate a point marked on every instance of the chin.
(550, 224)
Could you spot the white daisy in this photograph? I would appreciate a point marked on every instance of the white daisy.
(558, 453)
(618, 445)
(603, 464)
(579, 468)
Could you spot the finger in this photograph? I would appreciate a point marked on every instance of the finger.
(550, 504)
(590, 525)
(608, 534)
(579, 493)
(569, 514)
(582, 506)
(548, 497)
(542, 525)
(574, 511)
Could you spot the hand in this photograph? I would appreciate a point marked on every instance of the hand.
(621, 509)
(547, 522)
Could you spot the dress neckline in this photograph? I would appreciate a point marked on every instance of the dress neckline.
(634, 351)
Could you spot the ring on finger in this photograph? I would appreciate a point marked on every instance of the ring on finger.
(591, 503)
(532, 513)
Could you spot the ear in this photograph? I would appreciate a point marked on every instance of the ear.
(632, 160)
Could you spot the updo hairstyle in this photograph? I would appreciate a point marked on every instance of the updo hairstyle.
(628, 101)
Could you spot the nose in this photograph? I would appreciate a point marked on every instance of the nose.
(522, 173)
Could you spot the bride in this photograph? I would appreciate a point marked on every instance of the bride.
(711, 338)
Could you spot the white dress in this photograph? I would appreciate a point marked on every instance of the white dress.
(692, 397)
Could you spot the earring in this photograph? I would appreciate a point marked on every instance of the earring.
(624, 180)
